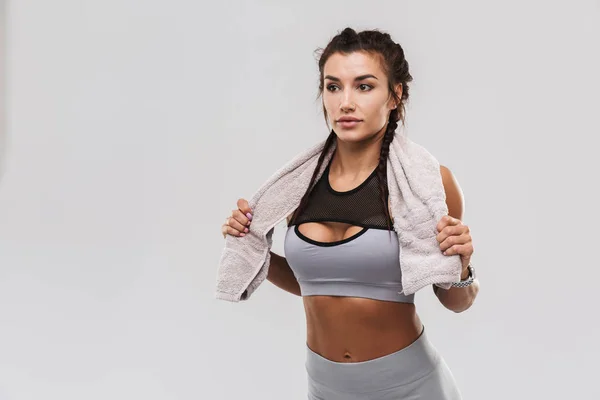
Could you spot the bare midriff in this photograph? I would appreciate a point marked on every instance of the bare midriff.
(351, 329)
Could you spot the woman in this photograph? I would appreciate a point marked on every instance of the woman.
(363, 340)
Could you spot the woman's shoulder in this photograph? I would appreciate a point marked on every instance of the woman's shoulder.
(454, 194)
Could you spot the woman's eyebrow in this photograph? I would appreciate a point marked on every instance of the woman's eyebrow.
(358, 78)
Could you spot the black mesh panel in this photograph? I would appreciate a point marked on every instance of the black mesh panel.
(361, 206)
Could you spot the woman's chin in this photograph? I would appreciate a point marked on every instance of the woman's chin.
(350, 136)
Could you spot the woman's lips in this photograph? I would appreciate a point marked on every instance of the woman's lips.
(348, 123)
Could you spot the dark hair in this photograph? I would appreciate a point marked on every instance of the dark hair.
(393, 62)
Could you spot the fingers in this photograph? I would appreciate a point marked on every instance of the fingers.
(228, 230)
(238, 224)
(447, 220)
(462, 249)
(232, 227)
(239, 221)
(244, 208)
(453, 233)
(451, 230)
(454, 240)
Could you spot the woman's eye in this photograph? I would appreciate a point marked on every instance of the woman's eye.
(365, 85)
(331, 87)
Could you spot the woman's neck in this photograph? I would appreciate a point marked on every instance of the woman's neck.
(356, 159)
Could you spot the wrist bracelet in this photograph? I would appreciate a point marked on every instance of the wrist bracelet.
(469, 279)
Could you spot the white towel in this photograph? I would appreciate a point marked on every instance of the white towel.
(417, 201)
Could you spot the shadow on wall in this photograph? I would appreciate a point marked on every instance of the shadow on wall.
(3, 67)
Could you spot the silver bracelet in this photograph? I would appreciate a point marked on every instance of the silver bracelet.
(469, 280)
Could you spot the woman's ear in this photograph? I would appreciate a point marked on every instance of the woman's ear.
(399, 90)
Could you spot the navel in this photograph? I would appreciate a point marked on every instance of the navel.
(347, 357)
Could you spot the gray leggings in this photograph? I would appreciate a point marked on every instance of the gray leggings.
(414, 372)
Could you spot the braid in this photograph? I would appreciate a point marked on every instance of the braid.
(381, 168)
(326, 147)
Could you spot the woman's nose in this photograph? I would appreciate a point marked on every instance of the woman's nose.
(347, 104)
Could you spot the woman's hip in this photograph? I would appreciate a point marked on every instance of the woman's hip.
(417, 369)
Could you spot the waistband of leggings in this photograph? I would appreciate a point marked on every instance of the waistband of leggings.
(396, 369)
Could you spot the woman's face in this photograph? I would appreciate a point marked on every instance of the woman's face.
(355, 86)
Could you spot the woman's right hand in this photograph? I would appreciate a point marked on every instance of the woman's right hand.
(238, 223)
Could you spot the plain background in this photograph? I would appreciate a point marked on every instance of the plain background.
(131, 128)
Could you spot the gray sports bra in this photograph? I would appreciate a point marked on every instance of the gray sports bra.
(365, 264)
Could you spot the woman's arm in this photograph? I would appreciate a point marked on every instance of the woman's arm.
(455, 299)
(458, 299)
(281, 275)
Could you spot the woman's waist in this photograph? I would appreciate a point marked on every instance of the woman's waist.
(350, 329)
(372, 376)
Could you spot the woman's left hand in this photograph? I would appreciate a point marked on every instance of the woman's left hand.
(455, 238)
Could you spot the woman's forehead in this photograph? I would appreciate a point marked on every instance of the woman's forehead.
(349, 66)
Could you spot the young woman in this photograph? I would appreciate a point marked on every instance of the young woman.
(364, 340)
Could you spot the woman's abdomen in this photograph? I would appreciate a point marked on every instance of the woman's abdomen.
(350, 329)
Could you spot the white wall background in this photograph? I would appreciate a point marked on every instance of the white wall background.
(132, 127)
